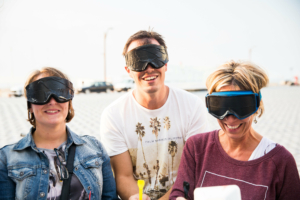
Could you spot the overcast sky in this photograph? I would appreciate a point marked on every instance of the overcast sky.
(200, 35)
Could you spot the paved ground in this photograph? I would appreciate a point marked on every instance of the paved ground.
(280, 122)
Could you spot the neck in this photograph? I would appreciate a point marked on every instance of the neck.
(240, 148)
(154, 100)
(50, 137)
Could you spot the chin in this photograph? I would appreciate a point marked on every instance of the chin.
(150, 90)
(55, 122)
(236, 135)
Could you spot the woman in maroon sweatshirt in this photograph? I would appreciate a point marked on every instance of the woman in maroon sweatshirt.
(237, 154)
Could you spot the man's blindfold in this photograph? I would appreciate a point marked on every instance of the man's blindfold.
(138, 58)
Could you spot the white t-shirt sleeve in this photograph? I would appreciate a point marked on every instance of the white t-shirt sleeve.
(197, 122)
(111, 134)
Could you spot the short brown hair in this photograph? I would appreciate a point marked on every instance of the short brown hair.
(49, 71)
(144, 36)
(245, 75)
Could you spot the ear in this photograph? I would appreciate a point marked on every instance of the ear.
(166, 67)
(128, 71)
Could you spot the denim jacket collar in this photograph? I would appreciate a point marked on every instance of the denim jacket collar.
(28, 141)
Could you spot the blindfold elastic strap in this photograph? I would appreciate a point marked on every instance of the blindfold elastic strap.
(259, 97)
(28, 105)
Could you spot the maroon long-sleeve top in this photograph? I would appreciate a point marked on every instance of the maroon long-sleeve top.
(205, 163)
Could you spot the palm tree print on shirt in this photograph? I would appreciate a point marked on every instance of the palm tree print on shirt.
(155, 125)
(167, 123)
(163, 176)
(167, 126)
(172, 149)
(141, 133)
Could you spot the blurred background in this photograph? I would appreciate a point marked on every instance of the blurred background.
(85, 39)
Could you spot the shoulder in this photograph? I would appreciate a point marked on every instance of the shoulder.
(7, 147)
(285, 165)
(6, 151)
(203, 137)
(91, 143)
(91, 140)
(186, 100)
(118, 104)
(202, 140)
(91, 149)
(84, 140)
(183, 94)
(282, 156)
(12, 151)
(10, 147)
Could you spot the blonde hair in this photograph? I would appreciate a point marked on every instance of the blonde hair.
(245, 75)
(48, 71)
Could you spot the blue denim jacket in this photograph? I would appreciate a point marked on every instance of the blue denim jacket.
(24, 170)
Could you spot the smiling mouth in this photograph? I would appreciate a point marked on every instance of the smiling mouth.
(150, 78)
(233, 127)
(51, 111)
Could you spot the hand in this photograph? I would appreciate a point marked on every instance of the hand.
(136, 197)
(180, 198)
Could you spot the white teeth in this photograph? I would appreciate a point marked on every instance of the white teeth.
(51, 111)
(233, 127)
(150, 78)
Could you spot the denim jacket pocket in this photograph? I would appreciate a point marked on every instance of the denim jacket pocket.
(92, 162)
(21, 172)
(93, 172)
(24, 176)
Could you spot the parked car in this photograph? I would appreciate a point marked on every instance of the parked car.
(16, 91)
(98, 87)
(124, 85)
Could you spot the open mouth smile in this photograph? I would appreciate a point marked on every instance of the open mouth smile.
(149, 78)
(233, 127)
(51, 111)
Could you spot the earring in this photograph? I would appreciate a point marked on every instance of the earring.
(29, 115)
(70, 111)
(255, 120)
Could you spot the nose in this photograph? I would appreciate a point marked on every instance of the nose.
(230, 118)
(52, 101)
(149, 68)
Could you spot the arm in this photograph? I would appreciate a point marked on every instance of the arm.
(7, 186)
(198, 122)
(290, 180)
(126, 184)
(109, 191)
(186, 172)
(166, 196)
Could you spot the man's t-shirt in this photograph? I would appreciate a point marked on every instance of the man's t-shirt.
(77, 191)
(154, 138)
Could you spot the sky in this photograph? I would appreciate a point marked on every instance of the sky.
(200, 35)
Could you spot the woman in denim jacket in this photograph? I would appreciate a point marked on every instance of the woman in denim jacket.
(35, 167)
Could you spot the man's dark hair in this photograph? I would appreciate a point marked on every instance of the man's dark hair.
(145, 37)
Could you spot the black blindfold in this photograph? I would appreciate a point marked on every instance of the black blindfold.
(40, 91)
(138, 58)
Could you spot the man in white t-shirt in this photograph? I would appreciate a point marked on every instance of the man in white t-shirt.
(145, 130)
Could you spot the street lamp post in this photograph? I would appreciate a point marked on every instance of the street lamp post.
(104, 54)
(250, 53)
